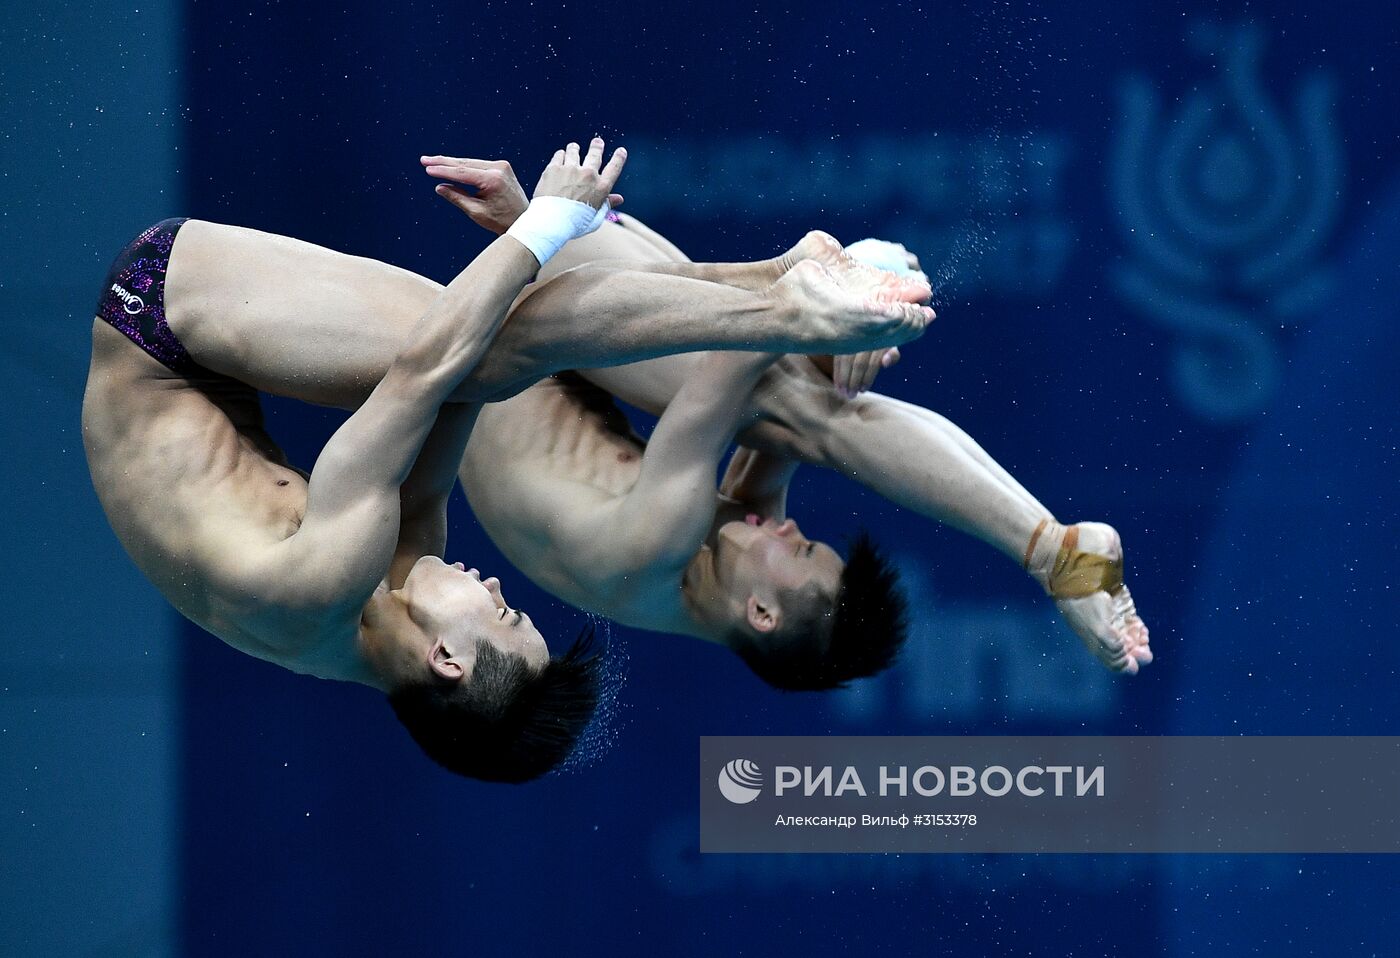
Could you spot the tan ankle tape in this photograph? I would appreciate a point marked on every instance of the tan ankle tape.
(1030, 548)
(1078, 574)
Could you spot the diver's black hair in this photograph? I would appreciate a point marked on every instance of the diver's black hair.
(505, 723)
(862, 635)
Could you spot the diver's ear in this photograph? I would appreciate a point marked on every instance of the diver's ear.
(764, 617)
(444, 664)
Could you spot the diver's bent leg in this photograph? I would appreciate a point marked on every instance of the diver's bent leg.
(908, 459)
(910, 455)
(662, 247)
(919, 460)
(970, 446)
(907, 455)
(754, 277)
(617, 242)
(634, 246)
(650, 385)
(597, 316)
(816, 246)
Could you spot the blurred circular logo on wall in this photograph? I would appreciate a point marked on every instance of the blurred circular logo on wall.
(740, 781)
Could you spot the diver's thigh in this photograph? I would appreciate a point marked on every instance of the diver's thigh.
(652, 238)
(288, 317)
(650, 384)
(611, 242)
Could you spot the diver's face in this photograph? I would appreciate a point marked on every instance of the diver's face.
(760, 556)
(455, 605)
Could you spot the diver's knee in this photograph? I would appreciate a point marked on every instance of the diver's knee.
(790, 426)
(802, 408)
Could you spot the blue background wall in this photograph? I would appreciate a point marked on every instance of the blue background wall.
(1165, 245)
(89, 704)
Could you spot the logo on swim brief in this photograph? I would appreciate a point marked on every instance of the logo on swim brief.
(740, 781)
(132, 303)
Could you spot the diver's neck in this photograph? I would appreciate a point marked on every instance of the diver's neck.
(703, 612)
(371, 657)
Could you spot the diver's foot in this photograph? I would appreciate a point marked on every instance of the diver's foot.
(835, 315)
(1081, 568)
(816, 245)
(878, 284)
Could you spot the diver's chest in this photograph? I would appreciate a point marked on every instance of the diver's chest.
(609, 465)
(262, 501)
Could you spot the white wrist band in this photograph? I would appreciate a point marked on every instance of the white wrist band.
(551, 221)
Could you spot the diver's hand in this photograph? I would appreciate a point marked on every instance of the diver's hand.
(571, 200)
(855, 374)
(498, 199)
(586, 180)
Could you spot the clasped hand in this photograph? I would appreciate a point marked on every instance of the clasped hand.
(488, 191)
